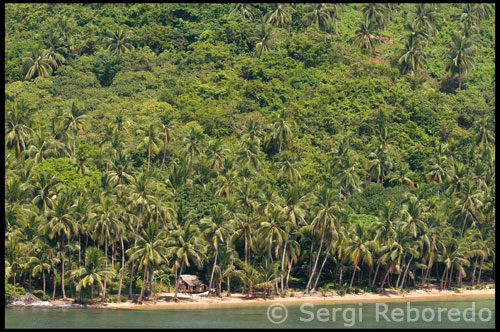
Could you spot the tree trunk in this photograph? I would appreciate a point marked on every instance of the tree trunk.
(105, 262)
(43, 278)
(474, 271)
(121, 275)
(288, 273)
(353, 274)
(375, 276)
(480, 269)
(92, 292)
(62, 267)
(70, 283)
(55, 283)
(317, 258)
(322, 265)
(177, 281)
(406, 271)
(213, 270)
(149, 153)
(283, 262)
(463, 225)
(144, 282)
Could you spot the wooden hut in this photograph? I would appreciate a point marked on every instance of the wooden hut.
(189, 283)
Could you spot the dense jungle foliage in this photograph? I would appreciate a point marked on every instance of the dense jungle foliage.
(263, 147)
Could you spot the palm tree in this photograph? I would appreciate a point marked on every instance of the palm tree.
(75, 120)
(336, 14)
(216, 151)
(60, 221)
(318, 14)
(150, 140)
(290, 171)
(469, 202)
(375, 13)
(279, 16)
(483, 10)
(246, 10)
(281, 135)
(151, 249)
(250, 277)
(36, 64)
(185, 248)
(264, 38)
(168, 136)
(401, 178)
(438, 167)
(425, 17)
(413, 56)
(359, 248)
(120, 165)
(117, 41)
(216, 228)
(17, 133)
(461, 56)
(54, 50)
(364, 37)
(193, 143)
(93, 271)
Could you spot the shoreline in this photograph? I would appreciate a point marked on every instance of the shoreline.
(237, 299)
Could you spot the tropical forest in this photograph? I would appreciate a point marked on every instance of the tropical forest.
(268, 149)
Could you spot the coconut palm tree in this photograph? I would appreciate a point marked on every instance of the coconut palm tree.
(245, 10)
(438, 165)
(168, 136)
(279, 16)
(375, 13)
(94, 270)
(412, 57)
(54, 49)
(120, 166)
(461, 56)
(185, 247)
(151, 249)
(401, 178)
(17, 133)
(318, 14)
(336, 14)
(360, 248)
(217, 229)
(364, 37)
(75, 120)
(36, 64)
(250, 277)
(194, 145)
(118, 41)
(264, 38)
(426, 18)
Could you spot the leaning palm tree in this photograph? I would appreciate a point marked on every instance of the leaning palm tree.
(364, 37)
(93, 271)
(36, 64)
(461, 56)
(336, 14)
(117, 41)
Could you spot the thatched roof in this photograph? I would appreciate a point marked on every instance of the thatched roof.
(191, 280)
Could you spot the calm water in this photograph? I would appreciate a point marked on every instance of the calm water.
(323, 315)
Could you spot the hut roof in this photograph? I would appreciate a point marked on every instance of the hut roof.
(191, 280)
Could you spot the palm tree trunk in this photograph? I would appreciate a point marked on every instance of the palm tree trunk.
(463, 225)
(474, 271)
(322, 265)
(70, 283)
(406, 271)
(213, 270)
(106, 261)
(121, 275)
(480, 269)
(132, 267)
(375, 276)
(451, 274)
(92, 292)
(283, 261)
(55, 283)
(288, 273)
(340, 274)
(74, 144)
(228, 286)
(317, 258)
(353, 274)
(149, 153)
(43, 277)
(177, 281)
(144, 281)
(62, 267)
(387, 273)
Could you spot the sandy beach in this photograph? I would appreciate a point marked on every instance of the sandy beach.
(239, 299)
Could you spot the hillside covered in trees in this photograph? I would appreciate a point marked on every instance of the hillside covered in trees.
(262, 147)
